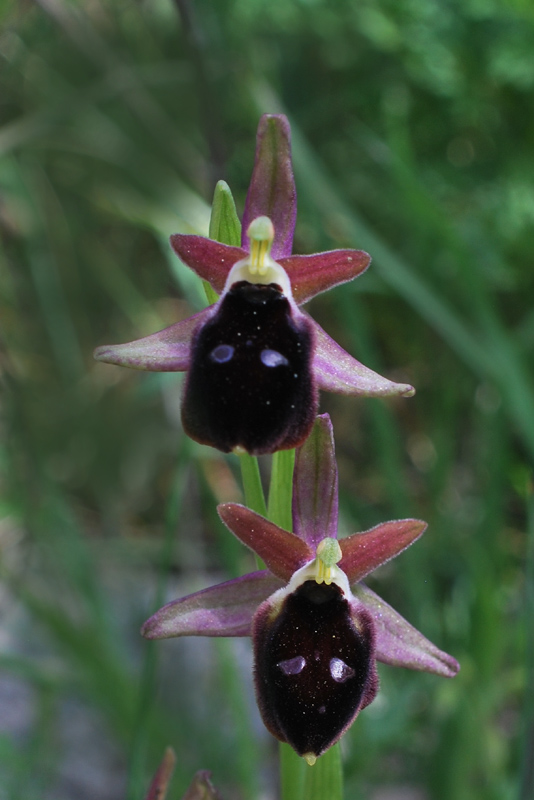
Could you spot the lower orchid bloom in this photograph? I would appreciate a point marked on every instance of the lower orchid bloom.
(317, 630)
(255, 361)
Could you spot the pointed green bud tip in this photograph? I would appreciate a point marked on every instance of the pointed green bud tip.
(261, 229)
(224, 222)
(329, 551)
(261, 235)
(327, 556)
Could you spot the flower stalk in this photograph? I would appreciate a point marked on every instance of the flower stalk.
(255, 362)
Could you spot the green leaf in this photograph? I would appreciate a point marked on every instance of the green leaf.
(224, 226)
(250, 475)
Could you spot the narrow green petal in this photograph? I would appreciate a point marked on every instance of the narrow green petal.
(225, 226)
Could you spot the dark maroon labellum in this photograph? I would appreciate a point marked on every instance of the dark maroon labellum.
(250, 382)
(315, 668)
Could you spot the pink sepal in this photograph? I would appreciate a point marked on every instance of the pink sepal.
(222, 610)
(165, 351)
(398, 643)
(337, 371)
(211, 260)
(312, 274)
(364, 552)
(283, 552)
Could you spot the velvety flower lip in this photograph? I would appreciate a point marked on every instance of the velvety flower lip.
(314, 656)
(262, 261)
(315, 582)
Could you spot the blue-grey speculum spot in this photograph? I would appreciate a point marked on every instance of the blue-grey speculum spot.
(340, 671)
(293, 665)
(271, 358)
(222, 353)
(241, 392)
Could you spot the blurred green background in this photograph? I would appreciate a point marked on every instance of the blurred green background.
(413, 132)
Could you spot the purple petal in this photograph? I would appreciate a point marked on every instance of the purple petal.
(211, 260)
(223, 610)
(315, 492)
(310, 275)
(337, 371)
(398, 643)
(165, 351)
(364, 552)
(283, 552)
(272, 190)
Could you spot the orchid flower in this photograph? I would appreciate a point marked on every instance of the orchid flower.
(317, 629)
(254, 360)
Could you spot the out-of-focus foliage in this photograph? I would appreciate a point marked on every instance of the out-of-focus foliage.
(413, 139)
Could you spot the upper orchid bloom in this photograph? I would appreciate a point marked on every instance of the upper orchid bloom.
(255, 361)
(317, 629)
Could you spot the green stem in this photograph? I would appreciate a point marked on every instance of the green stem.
(281, 489)
(527, 771)
(324, 781)
(292, 774)
(250, 475)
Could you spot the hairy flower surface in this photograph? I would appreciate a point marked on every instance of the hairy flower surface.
(317, 629)
(255, 360)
